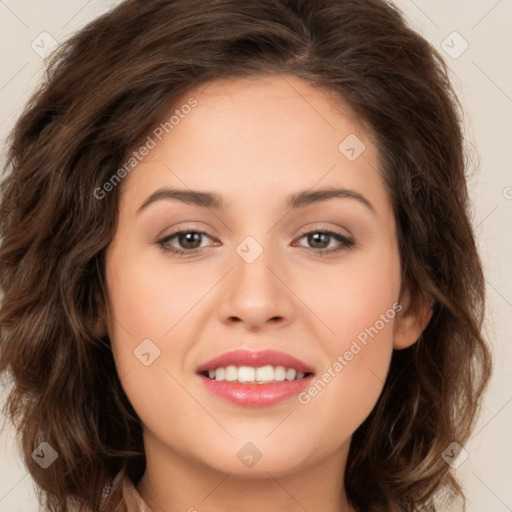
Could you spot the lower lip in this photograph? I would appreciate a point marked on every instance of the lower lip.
(256, 395)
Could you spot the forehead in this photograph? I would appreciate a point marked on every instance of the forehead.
(251, 137)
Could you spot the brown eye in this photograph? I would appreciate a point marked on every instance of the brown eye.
(187, 241)
(319, 241)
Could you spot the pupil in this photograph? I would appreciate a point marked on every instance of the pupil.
(187, 239)
(315, 238)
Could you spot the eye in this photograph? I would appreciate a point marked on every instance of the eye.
(188, 239)
(320, 240)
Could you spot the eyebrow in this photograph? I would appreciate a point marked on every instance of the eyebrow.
(215, 201)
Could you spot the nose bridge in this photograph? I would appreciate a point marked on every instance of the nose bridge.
(256, 292)
(253, 263)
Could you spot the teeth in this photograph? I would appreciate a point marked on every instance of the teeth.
(265, 373)
(231, 373)
(279, 373)
(291, 374)
(246, 374)
(261, 374)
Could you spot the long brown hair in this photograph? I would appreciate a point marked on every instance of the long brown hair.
(112, 83)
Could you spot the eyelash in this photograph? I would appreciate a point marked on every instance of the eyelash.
(346, 243)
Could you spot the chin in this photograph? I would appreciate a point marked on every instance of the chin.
(256, 459)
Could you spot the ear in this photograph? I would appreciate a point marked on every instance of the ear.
(412, 319)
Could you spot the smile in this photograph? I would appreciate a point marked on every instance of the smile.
(243, 374)
(255, 379)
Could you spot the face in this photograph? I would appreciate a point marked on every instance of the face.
(318, 280)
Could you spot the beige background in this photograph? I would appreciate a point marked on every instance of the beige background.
(482, 75)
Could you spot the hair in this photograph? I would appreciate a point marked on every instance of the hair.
(105, 89)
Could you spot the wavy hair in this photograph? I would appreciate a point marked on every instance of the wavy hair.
(108, 86)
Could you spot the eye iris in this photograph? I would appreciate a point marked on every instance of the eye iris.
(316, 238)
(186, 238)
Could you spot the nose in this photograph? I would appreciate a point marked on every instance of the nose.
(257, 294)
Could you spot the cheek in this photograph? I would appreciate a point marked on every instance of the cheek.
(148, 303)
(356, 300)
(359, 307)
(145, 307)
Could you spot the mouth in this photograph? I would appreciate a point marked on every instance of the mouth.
(255, 379)
(250, 374)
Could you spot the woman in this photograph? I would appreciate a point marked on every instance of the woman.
(318, 346)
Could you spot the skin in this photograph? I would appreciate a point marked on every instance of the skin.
(254, 141)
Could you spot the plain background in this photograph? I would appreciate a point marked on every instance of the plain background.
(482, 75)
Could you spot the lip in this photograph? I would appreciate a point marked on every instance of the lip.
(253, 394)
(255, 358)
(256, 395)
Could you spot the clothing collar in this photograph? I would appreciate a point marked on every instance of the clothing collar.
(122, 492)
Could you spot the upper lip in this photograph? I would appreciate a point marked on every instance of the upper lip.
(256, 359)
